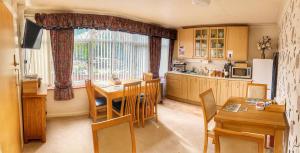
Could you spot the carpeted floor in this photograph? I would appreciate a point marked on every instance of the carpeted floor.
(179, 130)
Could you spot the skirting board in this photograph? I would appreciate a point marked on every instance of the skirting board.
(67, 114)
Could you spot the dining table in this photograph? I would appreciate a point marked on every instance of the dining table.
(111, 92)
(270, 121)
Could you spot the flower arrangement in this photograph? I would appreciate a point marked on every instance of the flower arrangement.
(263, 45)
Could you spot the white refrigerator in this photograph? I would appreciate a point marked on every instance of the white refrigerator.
(262, 73)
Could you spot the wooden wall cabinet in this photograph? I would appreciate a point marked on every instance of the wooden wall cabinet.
(34, 114)
(201, 43)
(185, 43)
(217, 42)
(237, 42)
(213, 43)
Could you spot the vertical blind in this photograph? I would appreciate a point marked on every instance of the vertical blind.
(164, 57)
(99, 54)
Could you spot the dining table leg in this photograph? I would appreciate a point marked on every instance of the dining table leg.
(109, 107)
(278, 142)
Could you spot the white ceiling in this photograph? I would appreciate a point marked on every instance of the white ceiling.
(172, 13)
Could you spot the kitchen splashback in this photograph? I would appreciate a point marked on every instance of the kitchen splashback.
(202, 64)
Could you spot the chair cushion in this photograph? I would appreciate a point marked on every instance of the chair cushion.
(117, 105)
(101, 101)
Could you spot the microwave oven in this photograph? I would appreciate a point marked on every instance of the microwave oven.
(241, 72)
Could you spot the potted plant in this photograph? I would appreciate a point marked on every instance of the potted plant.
(263, 45)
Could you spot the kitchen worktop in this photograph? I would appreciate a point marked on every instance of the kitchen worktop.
(205, 76)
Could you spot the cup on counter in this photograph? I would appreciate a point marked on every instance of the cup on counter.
(260, 105)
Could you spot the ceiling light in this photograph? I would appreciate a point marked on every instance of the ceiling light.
(201, 2)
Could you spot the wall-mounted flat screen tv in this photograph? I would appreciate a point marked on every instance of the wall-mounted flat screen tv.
(32, 35)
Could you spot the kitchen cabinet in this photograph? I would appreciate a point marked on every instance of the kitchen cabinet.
(203, 85)
(213, 43)
(213, 84)
(217, 42)
(222, 95)
(177, 86)
(185, 43)
(186, 88)
(193, 88)
(201, 43)
(237, 42)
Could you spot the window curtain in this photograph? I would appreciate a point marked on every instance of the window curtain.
(155, 51)
(171, 50)
(62, 42)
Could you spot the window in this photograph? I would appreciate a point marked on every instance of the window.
(100, 53)
(164, 57)
(97, 55)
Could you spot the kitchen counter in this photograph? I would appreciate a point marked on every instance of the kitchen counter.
(204, 76)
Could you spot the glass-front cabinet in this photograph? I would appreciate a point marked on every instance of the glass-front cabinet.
(217, 42)
(201, 37)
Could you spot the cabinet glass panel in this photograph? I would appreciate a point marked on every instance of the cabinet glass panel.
(201, 43)
(217, 43)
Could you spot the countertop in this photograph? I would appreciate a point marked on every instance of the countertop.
(210, 77)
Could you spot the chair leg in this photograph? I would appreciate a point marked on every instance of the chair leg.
(143, 117)
(205, 142)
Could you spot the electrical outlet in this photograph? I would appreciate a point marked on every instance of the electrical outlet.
(230, 54)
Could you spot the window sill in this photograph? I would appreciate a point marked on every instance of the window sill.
(74, 87)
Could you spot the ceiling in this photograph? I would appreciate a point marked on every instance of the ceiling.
(171, 13)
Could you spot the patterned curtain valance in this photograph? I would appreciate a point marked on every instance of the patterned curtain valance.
(75, 20)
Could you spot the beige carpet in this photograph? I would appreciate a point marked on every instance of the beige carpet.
(179, 130)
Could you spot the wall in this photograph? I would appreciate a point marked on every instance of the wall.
(77, 106)
(289, 70)
(256, 32)
(10, 135)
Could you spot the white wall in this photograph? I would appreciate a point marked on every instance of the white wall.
(77, 106)
(256, 32)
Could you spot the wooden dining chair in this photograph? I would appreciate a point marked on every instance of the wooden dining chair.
(255, 90)
(147, 76)
(96, 105)
(209, 109)
(130, 102)
(150, 100)
(114, 136)
(238, 142)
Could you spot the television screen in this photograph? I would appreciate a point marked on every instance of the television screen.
(32, 35)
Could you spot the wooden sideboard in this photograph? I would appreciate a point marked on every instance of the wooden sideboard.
(34, 114)
(186, 88)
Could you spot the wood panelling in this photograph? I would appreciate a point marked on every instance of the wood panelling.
(10, 140)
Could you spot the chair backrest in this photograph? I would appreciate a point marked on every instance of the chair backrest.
(255, 90)
(152, 90)
(116, 135)
(131, 99)
(147, 76)
(208, 103)
(91, 96)
(238, 142)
